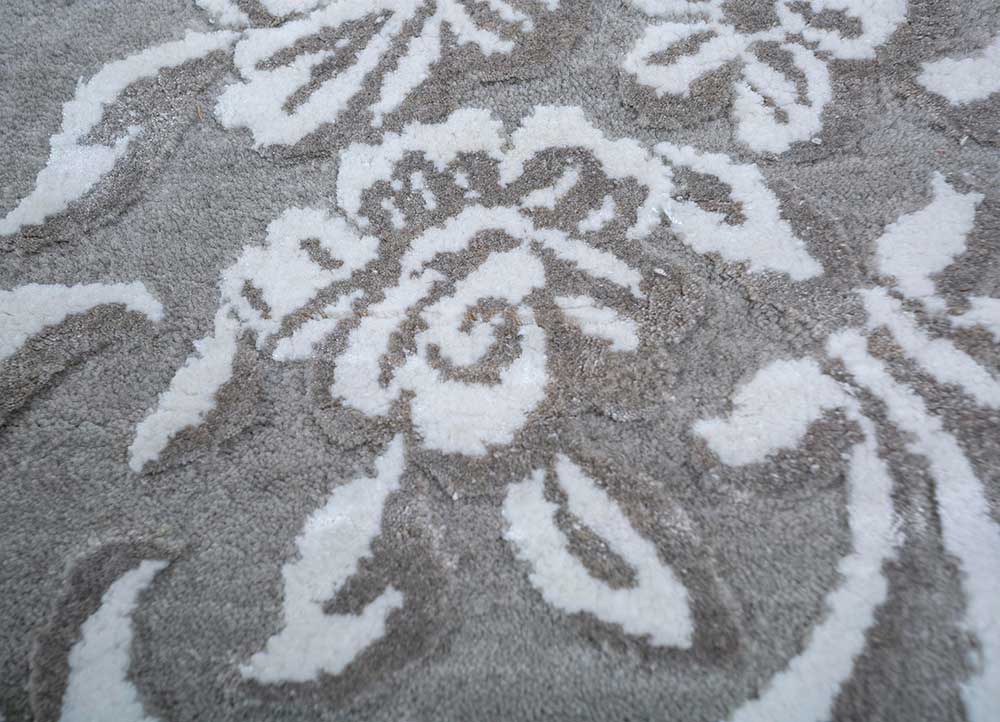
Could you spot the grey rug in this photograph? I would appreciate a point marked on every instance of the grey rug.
(500, 360)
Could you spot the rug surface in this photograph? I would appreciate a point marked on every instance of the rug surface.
(457, 360)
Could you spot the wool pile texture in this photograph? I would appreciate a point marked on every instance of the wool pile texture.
(500, 360)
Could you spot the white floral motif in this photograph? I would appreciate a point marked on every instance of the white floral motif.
(489, 313)
(275, 74)
(461, 328)
(258, 103)
(771, 111)
(455, 416)
(775, 408)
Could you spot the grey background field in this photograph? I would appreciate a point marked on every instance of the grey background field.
(756, 546)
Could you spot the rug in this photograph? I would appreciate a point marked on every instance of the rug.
(433, 360)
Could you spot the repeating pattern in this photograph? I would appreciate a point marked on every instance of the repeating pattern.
(784, 82)
(261, 101)
(454, 258)
(282, 96)
(911, 251)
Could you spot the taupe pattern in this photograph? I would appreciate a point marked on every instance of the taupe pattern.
(499, 359)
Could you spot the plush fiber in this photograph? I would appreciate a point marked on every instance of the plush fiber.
(504, 360)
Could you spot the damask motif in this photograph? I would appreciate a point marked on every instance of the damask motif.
(465, 326)
(429, 283)
(774, 107)
(475, 364)
(288, 89)
(774, 409)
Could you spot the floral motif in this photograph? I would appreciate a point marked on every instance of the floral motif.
(461, 328)
(456, 341)
(774, 106)
(430, 283)
(296, 76)
(478, 364)
(775, 408)
(261, 101)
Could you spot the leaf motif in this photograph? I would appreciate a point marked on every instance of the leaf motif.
(758, 425)
(98, 686)
(719, 46)
(968, 529)
(286, 279)
(773, 411)
(657, 606)
(939, 357)
(765, 92)
(764, 239)
(918, 245)
(411, 70)
(967, 79)
(425, 50)
(74, 166)
(28, 309)
(33, 309)
(258, 102)
(333, 541)
(191, 394)
(283, 273)
(984, 312)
